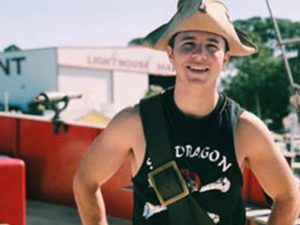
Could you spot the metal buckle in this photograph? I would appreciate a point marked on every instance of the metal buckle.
(168, 183)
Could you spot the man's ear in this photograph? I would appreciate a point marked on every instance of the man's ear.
(226, 58)
(170, 54)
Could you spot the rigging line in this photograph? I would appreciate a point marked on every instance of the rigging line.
(279, 39)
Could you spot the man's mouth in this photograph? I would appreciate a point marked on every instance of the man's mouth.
(198, 69)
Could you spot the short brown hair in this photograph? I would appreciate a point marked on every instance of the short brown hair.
(171, 42)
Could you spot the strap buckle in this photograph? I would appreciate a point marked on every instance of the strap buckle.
(168, 183)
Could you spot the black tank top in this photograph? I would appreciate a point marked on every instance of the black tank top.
(204, 150)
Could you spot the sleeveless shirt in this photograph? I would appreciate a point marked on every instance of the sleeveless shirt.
(204, 151)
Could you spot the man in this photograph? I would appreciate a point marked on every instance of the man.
(211, 137)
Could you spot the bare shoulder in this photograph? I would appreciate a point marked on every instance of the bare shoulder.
(125, 124)
(113, 146)
(126, 116)
(251, 126)
(253, 138)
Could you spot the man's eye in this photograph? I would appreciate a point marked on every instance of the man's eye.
(212, 47)
(188, 45)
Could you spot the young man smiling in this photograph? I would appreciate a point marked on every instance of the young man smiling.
(211, 138)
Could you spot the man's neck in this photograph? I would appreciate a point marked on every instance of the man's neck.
(195, 102)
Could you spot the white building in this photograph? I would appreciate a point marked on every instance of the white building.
(108, 78)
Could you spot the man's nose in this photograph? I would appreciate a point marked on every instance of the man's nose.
(200, 53)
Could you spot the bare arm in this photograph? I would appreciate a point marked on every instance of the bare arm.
(103, 159)
(255, 146)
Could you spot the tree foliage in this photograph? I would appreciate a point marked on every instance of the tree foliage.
(261, 83)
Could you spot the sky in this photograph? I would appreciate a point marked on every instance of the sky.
(33, 24)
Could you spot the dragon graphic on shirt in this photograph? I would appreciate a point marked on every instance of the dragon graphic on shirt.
(193, 180)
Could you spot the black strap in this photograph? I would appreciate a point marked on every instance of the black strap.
(186, 210)
(157, 138)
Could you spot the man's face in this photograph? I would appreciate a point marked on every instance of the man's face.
(198, 57)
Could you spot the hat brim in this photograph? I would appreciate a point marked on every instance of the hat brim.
(209, 21)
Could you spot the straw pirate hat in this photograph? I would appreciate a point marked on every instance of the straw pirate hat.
(202, 15)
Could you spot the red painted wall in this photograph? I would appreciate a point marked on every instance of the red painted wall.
(8, 135)
(252, 191)
(52, 160)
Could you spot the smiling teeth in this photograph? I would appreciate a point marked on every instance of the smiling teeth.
(199, 68)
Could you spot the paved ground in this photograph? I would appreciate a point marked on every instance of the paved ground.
(41, 213)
